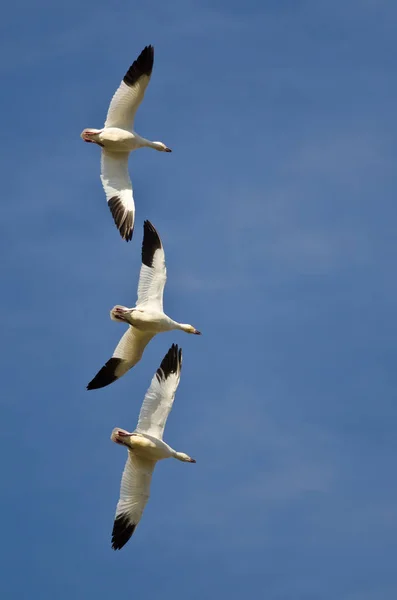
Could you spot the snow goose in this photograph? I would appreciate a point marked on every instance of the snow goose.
(146, 319)
(118, 139)
(145, 447)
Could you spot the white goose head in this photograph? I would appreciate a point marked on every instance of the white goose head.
(160, 147)
(189, 328)
(184, 457)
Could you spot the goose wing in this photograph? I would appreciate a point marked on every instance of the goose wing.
(118, 189)
(160, 396)
(153, 273)
(134, 494)
(127, 354)
(131, 91)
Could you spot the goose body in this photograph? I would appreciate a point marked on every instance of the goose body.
(146, 319)
(146, 447)
(117, 139)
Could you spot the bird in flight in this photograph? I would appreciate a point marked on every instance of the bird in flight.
(146, 447)
(117, 139)
(146, 319)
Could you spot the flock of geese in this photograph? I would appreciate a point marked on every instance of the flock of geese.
(145, 444)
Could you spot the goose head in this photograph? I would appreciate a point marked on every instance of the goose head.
(184, 457)
(189, 329)
(161, 147)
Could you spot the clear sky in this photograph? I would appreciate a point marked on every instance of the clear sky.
(277, 211)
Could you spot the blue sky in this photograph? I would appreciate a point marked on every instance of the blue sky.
(277, 210)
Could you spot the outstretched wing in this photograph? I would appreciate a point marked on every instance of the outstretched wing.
(153, 273)
(131, 91)
(118, 189)
(134, 494)
(160, 396)
(128, 352)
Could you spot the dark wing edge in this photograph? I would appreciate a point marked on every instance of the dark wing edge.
(106, 375)
(122, 531)
(171, 363)
(151, 242)
(123, 218)
(143, 65)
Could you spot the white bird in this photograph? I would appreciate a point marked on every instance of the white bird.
(146, 319)
(118, 139)
(145, 447)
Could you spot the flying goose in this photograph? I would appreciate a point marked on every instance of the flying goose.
(146, 319)
(118, 139)
(145, 447)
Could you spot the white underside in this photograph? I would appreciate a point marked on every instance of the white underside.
(151, 448)
(120, 140)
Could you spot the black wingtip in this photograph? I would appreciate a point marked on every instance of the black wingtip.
(143, 65)
(151, 242)
(123, 219)
(171, 363)
(106, 375)
(122, 531)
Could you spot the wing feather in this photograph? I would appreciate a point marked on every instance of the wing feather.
(129, 95)
(160, 396)
(134, 494)
(118, 189)
(153, 274)
(127, 354)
